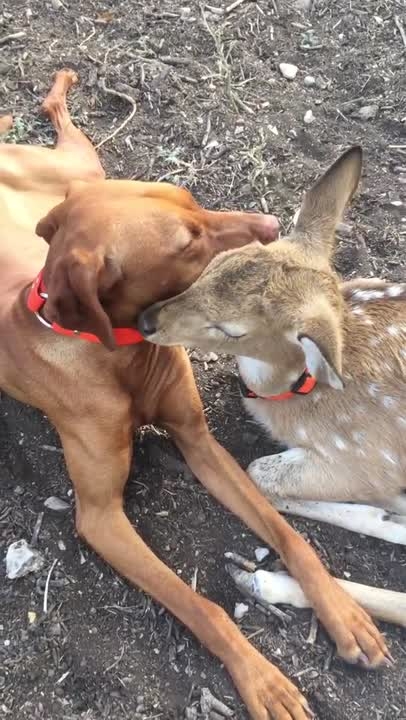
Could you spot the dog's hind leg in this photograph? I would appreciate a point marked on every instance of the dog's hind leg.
(70, 140)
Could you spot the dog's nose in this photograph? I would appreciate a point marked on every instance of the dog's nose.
(147, 324)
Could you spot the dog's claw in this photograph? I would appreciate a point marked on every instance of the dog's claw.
(310, 712)
(364, 660)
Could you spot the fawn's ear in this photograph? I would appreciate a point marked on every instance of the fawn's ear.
(321, 342)
(323, 206)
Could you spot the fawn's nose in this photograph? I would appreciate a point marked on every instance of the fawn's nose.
(147, 322)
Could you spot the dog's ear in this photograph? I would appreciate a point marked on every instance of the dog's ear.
(75, 283)
(324, 204)
(49, 225)
(320, 338)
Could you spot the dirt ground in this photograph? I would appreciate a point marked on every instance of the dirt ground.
(214, 113)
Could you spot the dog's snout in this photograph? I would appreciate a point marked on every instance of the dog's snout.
(147, 322)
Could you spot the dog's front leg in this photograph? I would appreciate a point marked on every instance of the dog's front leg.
(356, 637)
(98, 459)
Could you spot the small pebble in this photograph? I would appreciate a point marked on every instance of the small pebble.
(210, 357)
(288, 71)
(309, 117)
(309, 81)
(55, 503)
(22, 559)
(261, 553)
(367, 112)
(240, 610)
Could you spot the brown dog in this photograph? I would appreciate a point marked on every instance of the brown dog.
(116, 247)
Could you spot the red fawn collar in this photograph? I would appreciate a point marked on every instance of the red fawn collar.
(303, 386)
(37, 298)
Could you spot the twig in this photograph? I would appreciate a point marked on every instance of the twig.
(172, 60)
(193, 583)
(208, 703)
(240, 561)
(328, 659)
(116, 662)
(401, 29)
(37, 529)
(122, 96)
(233, 6)
(311, 639)
(270, 610)
(12, 36)
(45, 605)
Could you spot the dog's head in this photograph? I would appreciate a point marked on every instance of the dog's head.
(280, 305)
(119, 246)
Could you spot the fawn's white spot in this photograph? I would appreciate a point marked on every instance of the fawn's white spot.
(339, 442)
(301, 433)
(321, 450)
(401, 421)
(374, 341)
(358, 436)
(395, 290)
(389, 402)
(393, 330)
(365, 295)
(389, 457)
(357, 310)
(373, 389)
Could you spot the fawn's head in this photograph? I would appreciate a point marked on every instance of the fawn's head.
(279, 304)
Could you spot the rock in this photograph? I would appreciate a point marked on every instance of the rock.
(309, 117)
(22, 559)
(344, 229)
(288, 71)
(57, 5)
(210, 357)
(240, 610)
(194, 355)
(309, 81)
(261, 553)
(367, 112)
(303, 5)
(56, 503)
(209, 703)
(191, 713)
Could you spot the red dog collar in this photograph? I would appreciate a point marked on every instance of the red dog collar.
(303, 386)
(37, 298)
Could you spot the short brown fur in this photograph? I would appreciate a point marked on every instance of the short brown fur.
(116, 247)
(292, 310)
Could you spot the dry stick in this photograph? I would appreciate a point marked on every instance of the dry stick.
(311, 639)
(12, 36)
(45, 605)
(401, 29)
(122, 96)
(233, 6)
(37, 529)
